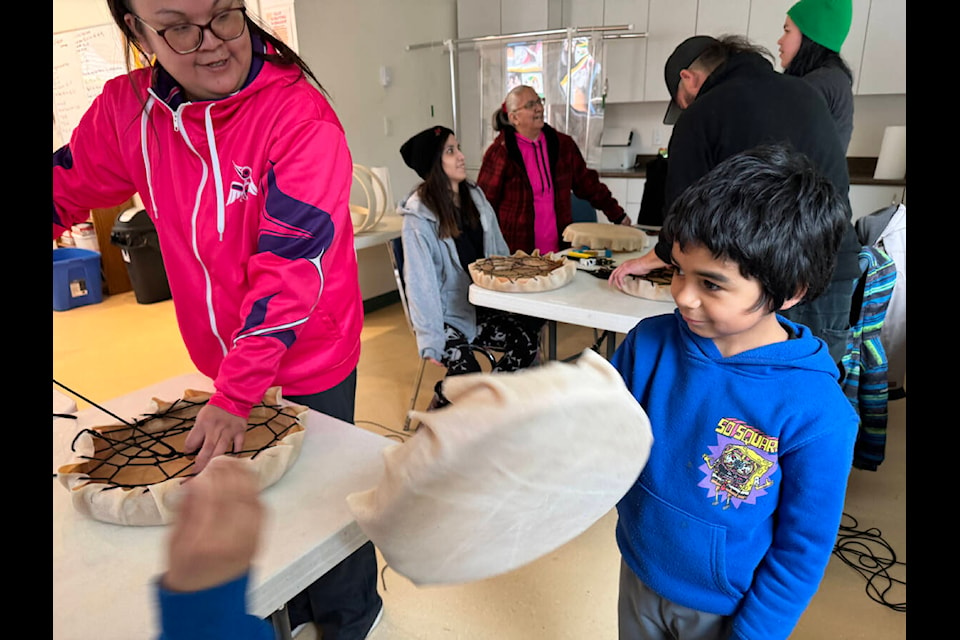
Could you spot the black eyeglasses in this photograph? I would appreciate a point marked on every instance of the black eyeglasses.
(187, 38)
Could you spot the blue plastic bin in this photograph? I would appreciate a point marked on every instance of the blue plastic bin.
(76, 278)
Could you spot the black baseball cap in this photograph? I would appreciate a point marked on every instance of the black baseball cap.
(681, 58)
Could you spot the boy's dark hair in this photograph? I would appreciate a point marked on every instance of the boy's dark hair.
(771, 212)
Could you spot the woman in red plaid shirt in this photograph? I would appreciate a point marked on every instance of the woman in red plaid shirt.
(529, 172)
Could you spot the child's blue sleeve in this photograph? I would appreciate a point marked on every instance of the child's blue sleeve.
(218, 613)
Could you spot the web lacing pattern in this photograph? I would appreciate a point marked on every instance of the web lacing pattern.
(152, 441)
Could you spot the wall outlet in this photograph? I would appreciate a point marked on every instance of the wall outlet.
(657, 137)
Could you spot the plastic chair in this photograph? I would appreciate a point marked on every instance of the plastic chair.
(396, 259)
(582, 210)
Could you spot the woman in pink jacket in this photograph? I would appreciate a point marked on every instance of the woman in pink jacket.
(243, 167)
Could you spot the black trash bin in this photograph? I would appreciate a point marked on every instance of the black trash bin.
(136, 236)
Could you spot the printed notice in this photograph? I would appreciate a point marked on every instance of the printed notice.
(83, 60)
(282, 21)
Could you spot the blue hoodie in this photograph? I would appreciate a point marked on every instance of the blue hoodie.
(210, 614)
(737, 510)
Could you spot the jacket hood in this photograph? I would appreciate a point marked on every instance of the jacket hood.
(412, 205)
(804, 351)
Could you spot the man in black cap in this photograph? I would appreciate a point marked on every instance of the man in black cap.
(726, 98)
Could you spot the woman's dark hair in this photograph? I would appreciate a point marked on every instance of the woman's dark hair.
(436, 194)
(811, 56)
(501, 117)
(284, 55)
(500, 120)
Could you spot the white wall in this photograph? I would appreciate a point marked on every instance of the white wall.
(345, 42)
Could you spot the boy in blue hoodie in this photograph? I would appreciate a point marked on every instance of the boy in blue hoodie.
(728, 530)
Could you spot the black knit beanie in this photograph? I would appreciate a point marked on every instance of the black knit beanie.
(421, 151)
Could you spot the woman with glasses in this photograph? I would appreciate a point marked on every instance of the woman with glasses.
(529, 172)
(243, 167)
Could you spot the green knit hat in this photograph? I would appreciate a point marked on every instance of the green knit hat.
(826, 22)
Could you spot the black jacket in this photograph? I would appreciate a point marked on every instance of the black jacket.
(745, 103)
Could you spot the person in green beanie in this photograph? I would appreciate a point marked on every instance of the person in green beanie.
(813, 33)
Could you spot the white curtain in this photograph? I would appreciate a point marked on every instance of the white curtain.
(571, 85)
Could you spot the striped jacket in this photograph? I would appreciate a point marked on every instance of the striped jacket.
(865, 362)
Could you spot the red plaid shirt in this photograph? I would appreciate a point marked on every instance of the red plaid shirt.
(503, 179)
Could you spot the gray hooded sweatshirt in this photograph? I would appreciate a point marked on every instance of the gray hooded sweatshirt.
(437, 286)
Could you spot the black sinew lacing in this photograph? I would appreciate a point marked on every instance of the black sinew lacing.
(141, 448)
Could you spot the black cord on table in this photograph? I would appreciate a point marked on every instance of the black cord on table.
(393, 434)
(867, 553)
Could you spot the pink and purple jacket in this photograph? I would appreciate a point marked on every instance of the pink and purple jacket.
(250, 198)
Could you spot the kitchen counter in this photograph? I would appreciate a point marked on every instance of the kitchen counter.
(861, 171)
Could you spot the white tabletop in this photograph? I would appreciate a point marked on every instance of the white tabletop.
(387, 229)
(587, 301)
(103, 574)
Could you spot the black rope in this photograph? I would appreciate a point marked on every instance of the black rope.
(121, 448)
(109, 413)
(867, 553)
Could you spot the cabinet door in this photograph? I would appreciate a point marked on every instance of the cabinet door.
(852, 50)
(670, 23)
(616, 12)
(635, 198)
(635, 195)
(581, 13)
(523, 17)
(884, 66)
(478, 18)
(618, 188)
(723, 17)
(624, 60)
(766, 25)
(867, 198)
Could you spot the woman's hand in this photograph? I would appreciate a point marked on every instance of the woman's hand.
(213, 432)
(217, 528)
(637, 267)
(436, 362)
(626, 221)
